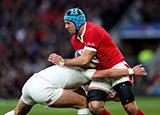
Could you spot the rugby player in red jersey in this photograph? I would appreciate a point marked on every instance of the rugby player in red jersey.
(96, 41)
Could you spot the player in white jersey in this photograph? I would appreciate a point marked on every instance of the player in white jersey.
(52, 87)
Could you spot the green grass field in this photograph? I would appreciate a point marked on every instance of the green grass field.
(149, 105)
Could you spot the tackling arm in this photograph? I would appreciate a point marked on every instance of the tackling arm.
(137, 71)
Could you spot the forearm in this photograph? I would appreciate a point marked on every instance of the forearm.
(110, 73)
(137, 71)
(80, 62)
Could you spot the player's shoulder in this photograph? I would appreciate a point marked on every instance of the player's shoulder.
(94, 28)
(98, 30)
(92, 25)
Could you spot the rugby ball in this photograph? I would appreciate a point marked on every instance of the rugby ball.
(94, 61)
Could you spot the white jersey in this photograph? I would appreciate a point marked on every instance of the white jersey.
(66, 77)
(46, 86)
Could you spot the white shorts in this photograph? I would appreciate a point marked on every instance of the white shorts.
(38, 90)
(108, 83)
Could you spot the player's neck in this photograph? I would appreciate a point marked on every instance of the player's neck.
(81, 30)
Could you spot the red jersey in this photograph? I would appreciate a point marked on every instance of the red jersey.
(95, 38)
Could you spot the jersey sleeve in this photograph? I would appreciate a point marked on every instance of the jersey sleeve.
(89, 73)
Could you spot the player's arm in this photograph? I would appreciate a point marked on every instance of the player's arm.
(137, 71)
(81, 61)
(95, 74)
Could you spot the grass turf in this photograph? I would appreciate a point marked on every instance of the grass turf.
(149, 105)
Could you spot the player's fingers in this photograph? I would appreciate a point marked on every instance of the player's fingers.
(145, 74)
(140, 65)
(50, 60)
(52, 55)
(55, 56)
(143, 70)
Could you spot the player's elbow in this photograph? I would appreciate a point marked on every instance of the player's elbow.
(85, 63)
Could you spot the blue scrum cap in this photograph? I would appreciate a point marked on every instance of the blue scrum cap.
(76, 16)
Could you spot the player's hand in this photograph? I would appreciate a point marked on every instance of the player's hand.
(55, 58)
(139, 70)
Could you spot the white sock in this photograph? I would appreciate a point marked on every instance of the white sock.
(83, 111)
(10, 113)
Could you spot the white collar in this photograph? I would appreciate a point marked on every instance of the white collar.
(81, 36)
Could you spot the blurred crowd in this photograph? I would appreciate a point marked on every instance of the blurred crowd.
(145, 11)
(32, 29)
